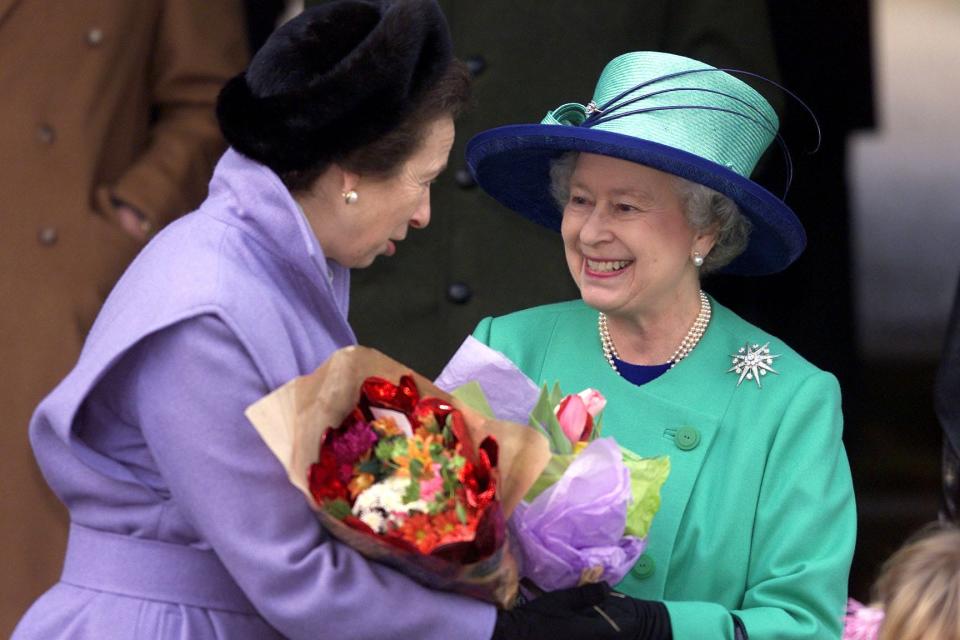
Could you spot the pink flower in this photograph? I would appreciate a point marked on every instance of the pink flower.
(573, 417)
(594, 401)
(349, 445)
(577, 413)
(430, 488)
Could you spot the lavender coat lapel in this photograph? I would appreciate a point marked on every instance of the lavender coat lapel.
(246, 256)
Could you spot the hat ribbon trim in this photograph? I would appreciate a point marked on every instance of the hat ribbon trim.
(602, 113)
(604, 107)
(787, 158)
(590, 122)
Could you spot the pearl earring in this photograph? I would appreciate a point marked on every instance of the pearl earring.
(351, 196)
(697, 259)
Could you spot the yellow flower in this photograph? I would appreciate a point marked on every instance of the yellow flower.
(360, 483)
(418, 448)
(386, 426)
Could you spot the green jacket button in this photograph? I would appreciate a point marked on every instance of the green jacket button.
(687, 438)
(644, 567)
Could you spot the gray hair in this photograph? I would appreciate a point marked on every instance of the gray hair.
(705, 209)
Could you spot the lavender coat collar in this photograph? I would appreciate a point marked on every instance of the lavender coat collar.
(258, 202)
(247, 256)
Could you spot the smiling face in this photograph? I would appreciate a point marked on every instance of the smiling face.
(355, 234)
(627, 241)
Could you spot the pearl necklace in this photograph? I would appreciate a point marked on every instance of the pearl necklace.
(686, 345)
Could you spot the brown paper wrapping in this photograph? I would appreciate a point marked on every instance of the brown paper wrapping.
(292, 420)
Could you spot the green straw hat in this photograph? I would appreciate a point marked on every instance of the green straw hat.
(664, 111)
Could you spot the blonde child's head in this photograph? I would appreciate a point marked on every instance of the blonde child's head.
(919, 588)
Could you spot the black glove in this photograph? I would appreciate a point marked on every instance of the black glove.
(634, 619)
(553, 615)
(591, 612)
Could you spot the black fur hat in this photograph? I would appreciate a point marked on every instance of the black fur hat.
(333, 79)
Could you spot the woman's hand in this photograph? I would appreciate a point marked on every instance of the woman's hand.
(131, 220)
(591, 612)
(635, 619)
(556, 614)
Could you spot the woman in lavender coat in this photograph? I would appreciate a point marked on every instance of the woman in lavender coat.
(183, 523)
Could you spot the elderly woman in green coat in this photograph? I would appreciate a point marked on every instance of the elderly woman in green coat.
(649, 187)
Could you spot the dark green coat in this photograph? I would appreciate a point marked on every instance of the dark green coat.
(757, 516)
(476, 258)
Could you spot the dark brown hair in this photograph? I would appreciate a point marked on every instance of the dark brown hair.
(448, 96)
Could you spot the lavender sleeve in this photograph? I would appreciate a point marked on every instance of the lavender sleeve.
(187, 389)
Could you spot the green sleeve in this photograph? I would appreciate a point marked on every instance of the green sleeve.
(482, 332)
(804, 532)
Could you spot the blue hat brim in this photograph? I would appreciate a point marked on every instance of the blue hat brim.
(512, 164)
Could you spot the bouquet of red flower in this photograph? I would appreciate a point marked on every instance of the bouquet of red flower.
(403, 472)
(404, 467)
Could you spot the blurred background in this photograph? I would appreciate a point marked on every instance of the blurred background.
(906, 225)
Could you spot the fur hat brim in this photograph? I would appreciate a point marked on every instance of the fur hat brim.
(334, 79)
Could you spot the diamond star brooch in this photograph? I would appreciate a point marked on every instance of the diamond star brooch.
(752, 362)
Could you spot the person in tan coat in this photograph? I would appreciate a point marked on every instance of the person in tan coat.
(107, 132)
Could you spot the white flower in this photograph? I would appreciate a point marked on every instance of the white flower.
(380, 503)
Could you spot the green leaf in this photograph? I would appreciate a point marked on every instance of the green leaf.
(597, 427)
(389, 448)
(383, 450)
(542, 408)
(551, 473)
(647, 476)
(556, 395)
(448, 435)
(371, 466)
(471, 394)
(437, 505)
(412, 494)
(416, 470)
(543, 418)
(430, 424)
(450, 481)
(461, 513)
(338, 508)
(457, 461)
